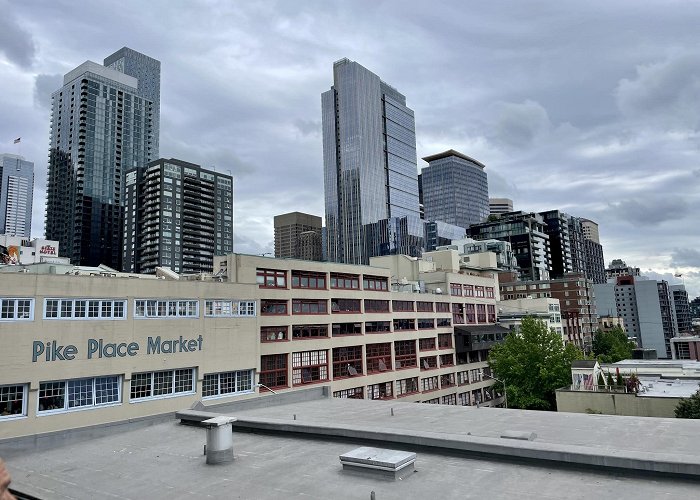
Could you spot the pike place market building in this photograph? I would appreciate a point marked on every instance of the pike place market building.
(90, 346)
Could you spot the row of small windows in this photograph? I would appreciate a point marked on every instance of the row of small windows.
(66, 395)
(275, 278)
(22, 309)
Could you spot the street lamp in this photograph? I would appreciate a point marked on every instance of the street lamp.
(505, 393)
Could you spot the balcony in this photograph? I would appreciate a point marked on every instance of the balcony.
(478, 337)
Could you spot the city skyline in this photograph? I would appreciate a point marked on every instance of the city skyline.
(612, 138)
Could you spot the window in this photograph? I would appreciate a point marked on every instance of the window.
(301, 279)
(354, 393)
(347, 329)
(13, 401)
(79, 393)
(273, 371)
(450, 399)
(456, 289)
(481, 313)
(404, 324)
(402, 306)
(273, 307)
(489, 291)
(428, 362)
(447, 360)
(429, 384)
(378, 357)
(471, 315)
(442, 307)
(375, 283)
(426, 323)
(13, 309)
(345, 306)
(309, 331)
(375, 306)
(347, 361)
(309, 306)
(444, 340)
(426, 344)
(150, 385)
(158, 308)
(443, 322)
(271, 278)
(229, 308)
(345, 281)
(76, 309)
(469, 290)
(274, 333)
(405, 354)
(464, 398)
(380, 391)
(424, 306)
(309, 366)
(457, 314)
(221, 384)
(492, 313)
(406, 386)
(463, 377)
(377, 327)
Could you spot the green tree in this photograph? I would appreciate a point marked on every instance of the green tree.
(689, 407)
(534, 362)
(612, 346)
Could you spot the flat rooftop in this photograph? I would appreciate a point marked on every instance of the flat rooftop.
(291, 451)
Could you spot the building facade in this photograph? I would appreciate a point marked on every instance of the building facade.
(17, 251)
(16, 195)
(681, 309)
(178, 215)
(511, 313)
(104, 121)
(455, 189)
(498, 206)
(298, 236)
(505, 258)
(619, 267)
(370, 170)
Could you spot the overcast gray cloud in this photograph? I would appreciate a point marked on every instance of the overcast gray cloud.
(589, 107)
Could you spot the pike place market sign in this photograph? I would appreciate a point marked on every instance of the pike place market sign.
(98, 348)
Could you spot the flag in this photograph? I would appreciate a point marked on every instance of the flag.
(18, 140)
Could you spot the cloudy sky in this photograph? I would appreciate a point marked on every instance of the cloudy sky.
(589, 107)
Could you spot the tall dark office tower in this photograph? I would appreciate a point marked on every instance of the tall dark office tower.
(369, 160)
(104, 121)
(455, 189)
(298, 236)
(16, 193)
(177, 215)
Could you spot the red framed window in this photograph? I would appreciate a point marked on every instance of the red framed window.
(447, 360)
(426, 323)
(450, 399)
(492, 313)
(273, 307)
(404, 324)
(442, 307)
(458, 314)
(406, 386)
(344, 306)
(447, 380)
(430, 384)
(489, 292)
(378, 283)
(481, 313)
(305, 279)
(468, 290)
(309, 306)
(479, 291)
(347, 361)
(273, 370)
(405, 354)
(424, 306)
(380, 391)
(345, 281)
(471, 318)
(309, 367)
(402, 305)
(271, 278)
(309, 332)
(377, 327)
(340, 329)
(444, 340)
(463, 377)
(428, 363)
(376, 306)
(274, 333)
(354, 393)
(456, 289)
(443, 322)
(378, 357)
(426, 344)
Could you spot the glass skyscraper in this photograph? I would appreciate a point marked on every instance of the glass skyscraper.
(16, 193)
(104, 121)
(370, 170)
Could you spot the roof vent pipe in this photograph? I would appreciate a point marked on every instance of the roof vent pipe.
(219, 439)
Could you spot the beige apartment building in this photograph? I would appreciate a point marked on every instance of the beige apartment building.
(90, 348)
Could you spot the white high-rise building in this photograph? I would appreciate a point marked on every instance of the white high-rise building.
(16, 193)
